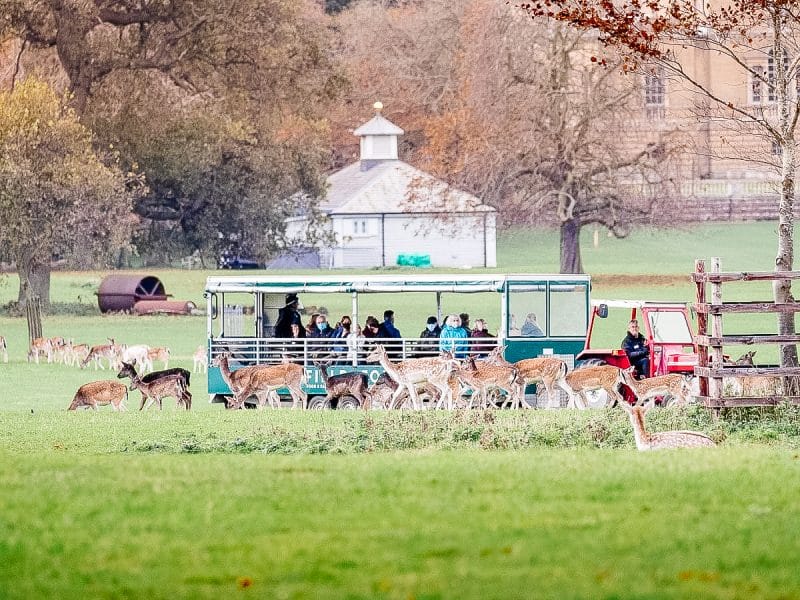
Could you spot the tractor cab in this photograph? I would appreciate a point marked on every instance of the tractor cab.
(665, 326)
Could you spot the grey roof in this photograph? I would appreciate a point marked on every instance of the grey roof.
(378, 125)
(392, 186)
(303, 258)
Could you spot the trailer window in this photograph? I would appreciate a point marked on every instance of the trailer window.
(568, 309)
(527, 310)
(238, 315)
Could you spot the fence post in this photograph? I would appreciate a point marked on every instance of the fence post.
(702, 324)
(716, 332)
(33, 312)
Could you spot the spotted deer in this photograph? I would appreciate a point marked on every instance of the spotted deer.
(546, 370)
(602, 377)
(3, 349)
(646, 390)
(74, 353)
(40, 347)
(352, 383)
(100, 393)
(167, 386)
(160, 353)
(200, 358)
(408, 373)
(262, 381)
(481, 378)
(664, 439)
(110, 351)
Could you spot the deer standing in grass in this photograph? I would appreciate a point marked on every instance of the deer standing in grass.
(40, 347)
(162, 354)
(3, 349)
(412, 371)
(74, 353)
(110, 352)
(672, 385)
(170, 385)
(352, 383)
(483, 377)
(546, 370)
(200, 358)
(664, 439)
(262, 381)
(100, 393)
(602, 377)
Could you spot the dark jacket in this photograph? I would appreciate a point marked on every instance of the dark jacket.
(635, 347)
(316, 332)
(431, 334)
(286, 317)
(388, 330)
(481, 348)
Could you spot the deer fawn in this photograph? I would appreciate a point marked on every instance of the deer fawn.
(262, 381)
(99, 393)
(673, 385)
(353, 383)
(489, 376)
(162, 354)
(664, 439)
(601, 377)
(4, 348)
(409, 372)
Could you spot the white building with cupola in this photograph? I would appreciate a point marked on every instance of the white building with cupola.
(382, 210)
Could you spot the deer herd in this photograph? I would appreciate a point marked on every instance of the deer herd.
(442, 381)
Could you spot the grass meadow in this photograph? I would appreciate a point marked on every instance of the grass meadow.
(284, 504)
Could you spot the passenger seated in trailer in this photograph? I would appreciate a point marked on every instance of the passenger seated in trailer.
(371, 327)
(294, 349)
(387, 328)
(431, 332)
(355, 346)
(635, 346)
(453, 338)
(480, 349)
(465, 323)
(312, 323)
(341, 332)
(530, 328)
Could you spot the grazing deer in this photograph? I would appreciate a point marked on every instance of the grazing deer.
(200, 358)
(353, 383)
(40, 347)
(100, 393)
(601, 377)
(162, 354)
(408, 373)
(170, 385)
(674, 385)
(664, 439)
(489, 376)
(261, 381)
(4, 348)
(110, 352)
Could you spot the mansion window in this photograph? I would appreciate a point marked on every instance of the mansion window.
(655, 87)
(772, 93)
(757, 84)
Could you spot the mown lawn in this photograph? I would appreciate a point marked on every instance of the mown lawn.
(449, 524)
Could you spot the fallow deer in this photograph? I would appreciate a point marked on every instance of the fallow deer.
(352, 383)
(664, 439)
(546, 370)
(672, 385)
(74, 353)
(137, 354)
(4, 349)
(164, 386)
(483, 377)
(200, 358)
(100, 393)
(160, 353)
(602, 377)
(408, 373)
(110, 352)
(129, 370)
(40, 347)
(261, 381)
(380, 393)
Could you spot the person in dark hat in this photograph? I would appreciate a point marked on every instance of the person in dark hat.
(431, 332)
(287, 316)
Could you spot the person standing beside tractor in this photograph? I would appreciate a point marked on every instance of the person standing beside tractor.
(635, 346)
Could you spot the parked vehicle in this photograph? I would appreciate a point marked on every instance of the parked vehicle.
(242, 312)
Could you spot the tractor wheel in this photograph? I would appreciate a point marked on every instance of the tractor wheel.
(318, 403)
(348, 403)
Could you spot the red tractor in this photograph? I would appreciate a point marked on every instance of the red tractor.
(665, 326)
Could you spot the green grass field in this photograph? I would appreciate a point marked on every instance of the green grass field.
(285, 504)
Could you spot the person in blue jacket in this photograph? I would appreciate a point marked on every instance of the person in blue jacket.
(387, 328)
(453, 337)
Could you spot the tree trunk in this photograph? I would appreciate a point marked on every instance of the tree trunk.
(782, 290)
(34, 280)
(571, 246)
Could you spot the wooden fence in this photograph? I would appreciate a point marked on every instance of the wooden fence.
(711, 368)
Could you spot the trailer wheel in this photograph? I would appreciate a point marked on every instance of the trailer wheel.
(318, 403)
(348, 403)
(597, 399)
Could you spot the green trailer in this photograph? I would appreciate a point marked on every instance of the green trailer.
(538, 315)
